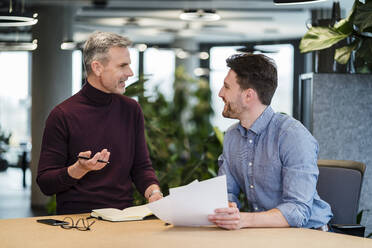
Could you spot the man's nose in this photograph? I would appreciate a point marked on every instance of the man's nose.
(130, 72)
(220, 93)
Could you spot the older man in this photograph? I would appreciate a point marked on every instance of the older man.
(94, 144)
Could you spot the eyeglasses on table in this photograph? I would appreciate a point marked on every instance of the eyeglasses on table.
(82, 224)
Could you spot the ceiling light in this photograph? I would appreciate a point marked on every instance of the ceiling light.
(199, 15)
(17, 21)
(201, 72)
(69, 45)
(203, 55)
(182, 54)
(289, 2)
(141, 47)
(18, 46)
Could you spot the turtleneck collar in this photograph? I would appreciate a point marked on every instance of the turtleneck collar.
(96, 96)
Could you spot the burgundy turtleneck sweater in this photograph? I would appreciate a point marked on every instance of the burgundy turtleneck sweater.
(94, 120)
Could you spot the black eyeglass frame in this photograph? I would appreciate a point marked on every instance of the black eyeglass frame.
(85, 224)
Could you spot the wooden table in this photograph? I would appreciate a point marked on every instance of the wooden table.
(153, 233)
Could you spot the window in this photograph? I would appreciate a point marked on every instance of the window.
(159, 68)
(134, 66)
(77, 71)
(15, 101)
(218, 71)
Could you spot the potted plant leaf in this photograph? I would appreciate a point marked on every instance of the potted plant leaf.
(356, 28)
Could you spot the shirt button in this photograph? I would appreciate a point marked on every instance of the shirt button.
(250, 163)
(250, 141)
(251, 186)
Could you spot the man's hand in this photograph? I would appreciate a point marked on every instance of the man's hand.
(156, 196)
(93, 163)
(227, 218)
(153, 193)
(230, 218)
(82, 166)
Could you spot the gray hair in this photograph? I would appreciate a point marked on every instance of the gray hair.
(98, 45)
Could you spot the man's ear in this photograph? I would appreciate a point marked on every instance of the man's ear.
(97, 68)
(249, 94)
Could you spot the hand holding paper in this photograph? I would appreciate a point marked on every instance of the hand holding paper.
(228, 218)
(191, 204)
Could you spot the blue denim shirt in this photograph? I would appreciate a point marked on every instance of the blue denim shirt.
(275, 164)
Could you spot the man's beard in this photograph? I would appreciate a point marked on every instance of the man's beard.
(229, 112)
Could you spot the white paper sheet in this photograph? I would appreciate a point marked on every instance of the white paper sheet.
(191, 204)
(173, 191)
(162, 209)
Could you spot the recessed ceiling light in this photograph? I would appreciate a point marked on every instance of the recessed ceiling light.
(199, 15)
(204, 55)
(201, 71)
(181, 54)
(141, 47)
(69, 45)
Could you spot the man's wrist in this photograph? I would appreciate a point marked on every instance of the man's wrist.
(76, 171)
(155, 191)
(150, 191)
(246, 219)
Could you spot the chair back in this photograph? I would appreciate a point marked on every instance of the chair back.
(339, 184)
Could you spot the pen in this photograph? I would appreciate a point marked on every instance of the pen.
(99, 160)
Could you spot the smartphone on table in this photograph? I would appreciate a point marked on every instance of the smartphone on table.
(53, 222)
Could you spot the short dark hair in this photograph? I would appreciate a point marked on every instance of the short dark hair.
(255, 71)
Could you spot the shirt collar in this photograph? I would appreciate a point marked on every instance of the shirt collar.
(260, 124)
(96, 96)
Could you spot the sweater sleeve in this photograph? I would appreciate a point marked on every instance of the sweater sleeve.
(52, 176)
(142, 172)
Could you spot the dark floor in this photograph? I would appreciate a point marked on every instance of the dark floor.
(14, 199)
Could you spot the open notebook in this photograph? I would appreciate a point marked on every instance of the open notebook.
(127, 214)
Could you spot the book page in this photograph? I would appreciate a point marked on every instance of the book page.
(137, 211)
(131, 213)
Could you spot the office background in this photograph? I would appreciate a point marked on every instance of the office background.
(41, 66)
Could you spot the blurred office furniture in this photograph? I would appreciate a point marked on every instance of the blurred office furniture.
(339, 184)
(336, 108)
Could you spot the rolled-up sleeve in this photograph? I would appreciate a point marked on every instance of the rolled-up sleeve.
(233, 189)
(298, 153)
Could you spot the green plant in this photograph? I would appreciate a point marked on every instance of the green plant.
(183, 144)
(51, 206)
(356, 28)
